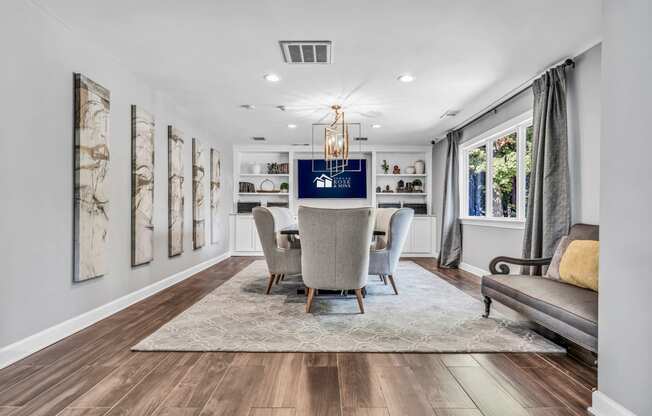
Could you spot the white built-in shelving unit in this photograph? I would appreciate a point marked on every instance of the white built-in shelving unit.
(244, 238)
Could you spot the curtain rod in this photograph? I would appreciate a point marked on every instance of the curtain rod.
(507, 97)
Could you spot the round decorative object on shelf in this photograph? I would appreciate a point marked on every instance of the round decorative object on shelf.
(267, 186)
(420, 167)
(410, 170)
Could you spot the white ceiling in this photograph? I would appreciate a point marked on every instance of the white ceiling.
(211, 56)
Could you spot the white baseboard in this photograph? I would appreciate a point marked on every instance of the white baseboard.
(605, 406)
(472, 269)
(27, 346)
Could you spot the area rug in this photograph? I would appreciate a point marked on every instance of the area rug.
(428, 315)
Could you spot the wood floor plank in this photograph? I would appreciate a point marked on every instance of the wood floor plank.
(458, 360)
(440, 387)
(561, 411)
(29, 388)
(147, 396)
(320, 359)
(280, 381)
(7, 410)
(178, 411)
(580, 372)
(199, 383)
(490, 398)
(57, 398)
(365, 411)
(16, 373)
(88, 411)
(279, 411)
(359, 384)
(117, 384)
(516, 381)
(573, 394)
(383, 359)
(527, 360)
(402, 392)
(319, 392)
(458, 412)
(236, 392)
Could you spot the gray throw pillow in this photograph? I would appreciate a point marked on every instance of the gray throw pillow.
(553, 269)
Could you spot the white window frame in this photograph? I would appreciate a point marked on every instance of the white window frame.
(519, 125)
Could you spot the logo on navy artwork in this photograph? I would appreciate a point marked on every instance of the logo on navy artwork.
(323, 181)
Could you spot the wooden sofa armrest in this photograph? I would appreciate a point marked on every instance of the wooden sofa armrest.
(495, 267)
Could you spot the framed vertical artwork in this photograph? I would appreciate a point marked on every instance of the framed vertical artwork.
(175, 192)
(215, 173)
(91, 167)
(142, 186)
(198, 195)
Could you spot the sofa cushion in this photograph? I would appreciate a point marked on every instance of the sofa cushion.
(570, 304)
(580, 263)
(553, 268)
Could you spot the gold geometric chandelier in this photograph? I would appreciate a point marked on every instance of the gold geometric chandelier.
(336, 137)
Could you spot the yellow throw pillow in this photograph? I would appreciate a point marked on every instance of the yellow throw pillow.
(579, 264)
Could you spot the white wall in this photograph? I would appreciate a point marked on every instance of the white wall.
(625, 306)
(36, 175)
(584, 136)
(482, 243)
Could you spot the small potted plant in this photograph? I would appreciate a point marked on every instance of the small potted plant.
(285, 187)
(385, 167)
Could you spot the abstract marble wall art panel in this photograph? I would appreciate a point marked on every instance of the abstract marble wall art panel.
(175, 192)
(91, 201)
(142, 186)
(215, 192)
(198, 197)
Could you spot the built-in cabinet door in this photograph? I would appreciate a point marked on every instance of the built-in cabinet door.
(243, 233)
(421, 235)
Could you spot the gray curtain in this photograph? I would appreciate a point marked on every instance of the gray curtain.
(548, 212)
(450, 252)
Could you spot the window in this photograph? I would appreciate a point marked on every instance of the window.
(495, 172)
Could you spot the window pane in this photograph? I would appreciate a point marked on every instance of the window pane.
(505, 168)
(528, 163)
(477, 181)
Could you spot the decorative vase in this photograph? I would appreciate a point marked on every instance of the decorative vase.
(420, 167)
(256, 169)
(410, 170)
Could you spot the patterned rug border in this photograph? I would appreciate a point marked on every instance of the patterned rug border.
(499, 320)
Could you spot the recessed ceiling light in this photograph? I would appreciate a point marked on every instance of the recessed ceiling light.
(272, 78)
(292, 126)
(376, 126)
(405, 78)
(248, 106)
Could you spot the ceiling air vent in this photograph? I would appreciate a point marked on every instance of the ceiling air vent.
(258, 139)
(306, 51)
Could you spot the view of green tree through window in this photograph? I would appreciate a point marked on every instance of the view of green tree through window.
(496, 169)
(477, 162)
(505, 169)
(528, 162)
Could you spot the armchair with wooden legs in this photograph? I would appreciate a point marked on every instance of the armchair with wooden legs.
(335, 249)
(281, 260)
(383, 262)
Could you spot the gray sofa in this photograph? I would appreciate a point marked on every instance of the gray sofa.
(567, 310)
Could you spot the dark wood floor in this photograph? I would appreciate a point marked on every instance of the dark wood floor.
(94, 373)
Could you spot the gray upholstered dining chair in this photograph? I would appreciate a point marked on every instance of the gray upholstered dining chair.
(383, 217)
(281, 261)
(283, 218)
(383, 262)
(335, 249)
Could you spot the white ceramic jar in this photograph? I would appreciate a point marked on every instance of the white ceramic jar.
(420, 167)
